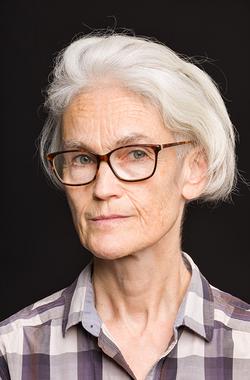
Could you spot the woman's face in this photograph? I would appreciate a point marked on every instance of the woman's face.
(148, 213)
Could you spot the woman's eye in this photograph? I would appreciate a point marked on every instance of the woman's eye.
(137, 154)
(82, 159)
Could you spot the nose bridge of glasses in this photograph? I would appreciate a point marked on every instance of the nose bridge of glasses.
(104, 158)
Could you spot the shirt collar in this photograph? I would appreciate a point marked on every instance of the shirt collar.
(195, 312)
(197, 308)
(80, 303)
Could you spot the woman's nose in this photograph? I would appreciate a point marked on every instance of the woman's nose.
(106, 184)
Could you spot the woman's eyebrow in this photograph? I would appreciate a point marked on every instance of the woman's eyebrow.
(129, 139)
(74, 144)
(133, 138)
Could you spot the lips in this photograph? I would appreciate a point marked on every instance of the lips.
(109, 217)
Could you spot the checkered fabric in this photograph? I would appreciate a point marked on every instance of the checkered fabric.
(62, 337)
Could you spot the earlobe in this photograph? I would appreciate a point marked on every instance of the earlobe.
(195, 174)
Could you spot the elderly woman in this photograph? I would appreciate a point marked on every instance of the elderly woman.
(134, 133)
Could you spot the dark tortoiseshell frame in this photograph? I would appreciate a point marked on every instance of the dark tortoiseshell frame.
(106, 158)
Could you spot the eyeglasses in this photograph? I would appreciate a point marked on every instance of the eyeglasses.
(131, 163)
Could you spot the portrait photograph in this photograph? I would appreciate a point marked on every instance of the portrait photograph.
(126, 191)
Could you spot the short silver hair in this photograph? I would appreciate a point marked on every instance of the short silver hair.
(188, 99)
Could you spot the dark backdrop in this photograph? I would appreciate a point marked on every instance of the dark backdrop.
(40, 250)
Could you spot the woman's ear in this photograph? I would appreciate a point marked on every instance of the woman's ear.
(195, 174)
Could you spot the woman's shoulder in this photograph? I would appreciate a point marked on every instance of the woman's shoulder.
(231, 311)
(35, 314)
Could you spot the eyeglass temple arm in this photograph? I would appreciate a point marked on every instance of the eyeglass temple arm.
(176, 143)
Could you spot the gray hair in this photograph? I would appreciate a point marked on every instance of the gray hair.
(189, 101)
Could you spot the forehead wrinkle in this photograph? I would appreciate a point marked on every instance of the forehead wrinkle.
(96, 101)
(104, 117)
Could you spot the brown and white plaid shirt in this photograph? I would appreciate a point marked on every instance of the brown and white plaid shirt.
(62, 338)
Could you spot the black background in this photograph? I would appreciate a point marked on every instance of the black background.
(40, 249)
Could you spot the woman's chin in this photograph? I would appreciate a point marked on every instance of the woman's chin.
(109, 249)
(108, 255)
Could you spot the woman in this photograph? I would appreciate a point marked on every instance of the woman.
(134, 133)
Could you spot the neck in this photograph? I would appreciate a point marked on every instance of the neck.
(144, 286)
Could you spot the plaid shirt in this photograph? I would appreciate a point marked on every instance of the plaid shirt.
(62, 337)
